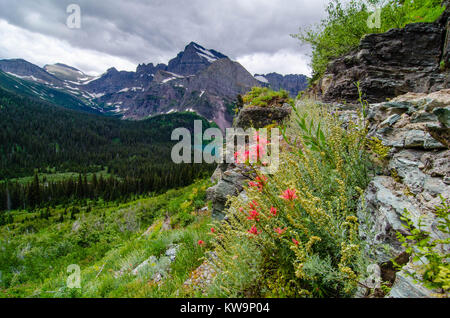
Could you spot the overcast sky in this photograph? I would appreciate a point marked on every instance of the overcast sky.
(124, 33)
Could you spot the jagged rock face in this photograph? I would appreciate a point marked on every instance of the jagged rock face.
(292, 83)
(418, 173)
(111, 82)
(230, 180)
(149, 69)
(391, 64)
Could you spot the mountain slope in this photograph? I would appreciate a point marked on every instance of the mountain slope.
(43, 92)
(26, 70)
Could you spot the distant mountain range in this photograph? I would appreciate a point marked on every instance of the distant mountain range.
(198, 80)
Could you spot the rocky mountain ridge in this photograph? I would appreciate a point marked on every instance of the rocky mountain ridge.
(293, 83)
(197, 79)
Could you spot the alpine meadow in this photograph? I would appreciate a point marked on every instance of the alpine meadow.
(327, 122)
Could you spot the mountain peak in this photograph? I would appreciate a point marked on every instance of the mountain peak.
(193, 44)
(193, 59)
(67, 66)
(112, 70)
(67, 73)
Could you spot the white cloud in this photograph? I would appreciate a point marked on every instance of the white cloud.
(39, 49)
(283, 62)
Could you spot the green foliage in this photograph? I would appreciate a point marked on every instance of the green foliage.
(67, 148)
(378, 149)
(35, 134)
(346, 24)
(297, 233)
(266, 97)
(429, 255)
(103, 239)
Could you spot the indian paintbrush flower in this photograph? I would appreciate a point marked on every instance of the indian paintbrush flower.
(289, 195)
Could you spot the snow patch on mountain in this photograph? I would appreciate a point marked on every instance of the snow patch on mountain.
(206, 54)
(262, 79)
(133, 89)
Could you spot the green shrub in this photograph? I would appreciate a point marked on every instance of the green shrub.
(266, 97)
(346, 24)
(430, 256)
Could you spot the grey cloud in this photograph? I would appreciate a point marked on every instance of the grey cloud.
(155, 30)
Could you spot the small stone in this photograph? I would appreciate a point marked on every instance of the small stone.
(391, 120)
(405, 287)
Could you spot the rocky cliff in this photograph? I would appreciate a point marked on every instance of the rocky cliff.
(412, 59)
(414, 63)
(415, 178)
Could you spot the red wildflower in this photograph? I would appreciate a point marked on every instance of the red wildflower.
(273, 211)
(254, 215)
(254, 231)
(201, 242)
(253, 205)
(263, 179)
(260, 151)
(241, 157)
(259, 184)
(213, 230)
(295, 241)
(280, 231)
(255, 185)
(289, 195)
(260, 140)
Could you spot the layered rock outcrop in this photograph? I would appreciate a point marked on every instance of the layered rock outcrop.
(417, 175)
(411, 59)
(259, 117)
